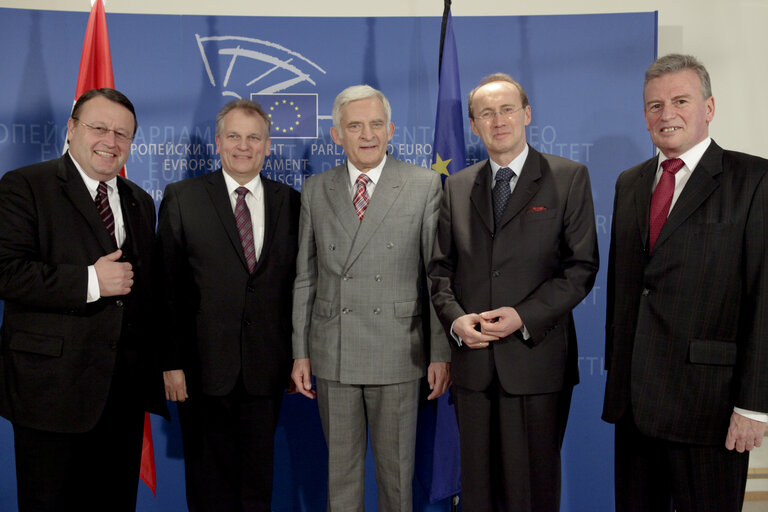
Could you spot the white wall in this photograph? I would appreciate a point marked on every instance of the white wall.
(728, 36)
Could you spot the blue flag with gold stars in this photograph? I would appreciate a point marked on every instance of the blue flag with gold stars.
(438, 462)
(294, 116)
(449, 155)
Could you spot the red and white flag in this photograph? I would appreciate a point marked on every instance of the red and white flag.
(95, 73)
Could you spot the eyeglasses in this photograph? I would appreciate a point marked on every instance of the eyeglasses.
(506, 112)
(102, 131)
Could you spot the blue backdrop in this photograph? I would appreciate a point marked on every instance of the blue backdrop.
(583, 74)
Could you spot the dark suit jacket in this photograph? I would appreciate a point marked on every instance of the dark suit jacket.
(57, 355)
(687, 327)
(541, 260)
(221, 321)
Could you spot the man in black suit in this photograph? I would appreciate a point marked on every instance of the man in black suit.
(76, 358)
(687, 317)
(227, 243)
(516, 251)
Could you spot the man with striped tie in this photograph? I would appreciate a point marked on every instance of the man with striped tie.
(365, 237)
(227, 245)
(77, 363)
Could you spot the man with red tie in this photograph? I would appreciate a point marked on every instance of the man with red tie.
(687, 308)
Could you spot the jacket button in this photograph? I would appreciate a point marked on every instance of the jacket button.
(646, 292)
(346, 311)
(390, 245)
(378, 277)
(376, 311)
(332, 247)
(495, 273)
(119, 303)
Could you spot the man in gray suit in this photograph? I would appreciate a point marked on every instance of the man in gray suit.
(366, 232)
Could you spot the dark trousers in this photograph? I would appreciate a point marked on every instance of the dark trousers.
(228, 450)
(91, 471)
(510, 449)
(654, 475)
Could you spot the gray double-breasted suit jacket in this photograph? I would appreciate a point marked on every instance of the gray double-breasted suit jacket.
(358, 297)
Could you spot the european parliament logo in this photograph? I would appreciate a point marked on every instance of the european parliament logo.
(294, 116)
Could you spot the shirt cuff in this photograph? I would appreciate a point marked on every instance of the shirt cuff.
(456, 336)
(753, 415)
(94, 293)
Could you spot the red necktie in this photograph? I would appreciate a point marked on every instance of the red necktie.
(361, 198)
(662, 198)
(102, 204)
(245, 228)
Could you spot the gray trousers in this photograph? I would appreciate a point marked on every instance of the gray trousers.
(390, 411)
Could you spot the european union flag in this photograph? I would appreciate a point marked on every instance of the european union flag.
(449, 155)
(438, 463)
(294, 116)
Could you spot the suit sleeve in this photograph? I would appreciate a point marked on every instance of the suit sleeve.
(173, 280)
(443, 265)
(28, 276)
(579, 262)
(752, 390)
(305, 285)
(439, 349)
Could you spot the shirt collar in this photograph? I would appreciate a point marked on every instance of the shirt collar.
(91, 184)
(374, 174)
(516, 165)
(691, 157)
(254, 186)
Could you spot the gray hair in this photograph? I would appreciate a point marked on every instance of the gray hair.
(354, 93)
(675, 62)
(248, 106)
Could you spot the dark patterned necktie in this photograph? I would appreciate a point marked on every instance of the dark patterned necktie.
(245, 228)
(662, 198)
(501, 192)
(102, 204)
(361, 198)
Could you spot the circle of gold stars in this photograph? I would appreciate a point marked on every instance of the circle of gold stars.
(289, 104)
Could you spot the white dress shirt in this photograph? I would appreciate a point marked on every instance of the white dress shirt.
(373, 177)
(255, 203)
(93, 293)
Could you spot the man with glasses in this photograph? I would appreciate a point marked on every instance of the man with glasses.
(76, 358)
(516, 251)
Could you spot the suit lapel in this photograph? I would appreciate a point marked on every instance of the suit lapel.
(700, 185)
(74, 188)
(387, 190)
(642, 198)
(217, 191)
(526, 188)
(273, 201)
(340, 201)
(130, 210)
(481, 196)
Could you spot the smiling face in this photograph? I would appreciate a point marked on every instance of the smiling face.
(503, 135)
(364, 132)
(676, 113)
(242, 143)
(100, 156)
